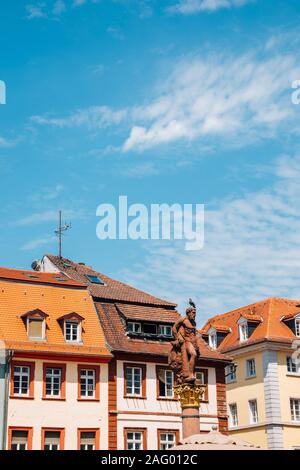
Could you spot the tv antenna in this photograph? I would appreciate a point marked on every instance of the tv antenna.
(60, 231)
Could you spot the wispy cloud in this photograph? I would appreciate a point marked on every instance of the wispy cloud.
(36, 11)
(38, 243)
(230, 98)
(48, 193)
(59, 7)
(189, 7)
(95, 117)
(221, 98)
(45, 216)
(251, 251)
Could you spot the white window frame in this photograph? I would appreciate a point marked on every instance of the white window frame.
(51, 445)
(19, 444)
(212, 338)
(297, 327)
(253, 411)
(168, 386)
(21, 374)
(230, 373)
(200, 373)
(36, 338)
(162, 330)
(137, 327)
(86, 446)
(233, 415)
(290, 363)
(84, 376)
(134, 441)
(294, 405)
(73, 323)
(243, 330)
(250, 370)
(133, 370)
(166, 444)
(52, 377)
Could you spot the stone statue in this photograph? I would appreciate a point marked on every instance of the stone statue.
(185, 349)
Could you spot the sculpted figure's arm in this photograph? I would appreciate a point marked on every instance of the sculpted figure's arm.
(178, 336)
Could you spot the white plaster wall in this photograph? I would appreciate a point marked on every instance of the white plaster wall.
(70, 414)
(152, 405)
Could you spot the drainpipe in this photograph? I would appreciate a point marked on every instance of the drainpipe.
(5, 365)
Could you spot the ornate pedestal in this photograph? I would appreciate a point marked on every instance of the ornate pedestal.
(190, 396)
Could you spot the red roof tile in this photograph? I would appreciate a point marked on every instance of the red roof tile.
(38, 277)
(268, 313)
(111, 290)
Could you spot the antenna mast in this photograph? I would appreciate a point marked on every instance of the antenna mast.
(59, 233)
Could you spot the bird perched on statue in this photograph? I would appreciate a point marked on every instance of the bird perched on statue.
(192, 304)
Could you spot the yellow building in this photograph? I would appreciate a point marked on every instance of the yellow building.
(263, 383)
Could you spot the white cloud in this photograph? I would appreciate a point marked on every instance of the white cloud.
(224, 97)
(35, 11)
(34, 244)
(189, 7)
(251, 251)
(208, 100)
(59, 7)
(95, 117)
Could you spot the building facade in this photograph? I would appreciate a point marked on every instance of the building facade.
(143, 412)
(54, 364)
(263, 388)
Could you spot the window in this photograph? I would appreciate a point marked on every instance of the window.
(165, 330)
(250, 368)
(202, 379)
(291, 365)
(88, 439)
(52, 439)
(72, 331)
(297, 327)
(230, 373)
(54, 381)
(135, 439)
(134, 327)
(233, 415)
(295, 409)
(94, 279)
(167, 439)
(165, 380)
(20, 439)
(253, 414)
(135, 380)
(35, 328)
(150, 329)
(212, 340)
(243, 331)
(88, 381)
(22, 379)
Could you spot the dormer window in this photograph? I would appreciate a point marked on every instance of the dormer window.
(150, 329)
(297, 327)
(165, 330)
(212, 338)
(72, 327)
(134, 327)
(72, 331)
(35, 324)
(243, 330)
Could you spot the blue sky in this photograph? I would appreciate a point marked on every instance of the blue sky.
(184, 101)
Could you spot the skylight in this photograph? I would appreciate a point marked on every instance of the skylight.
(94, 279)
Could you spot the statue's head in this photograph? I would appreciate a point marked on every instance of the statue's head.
(191, 313)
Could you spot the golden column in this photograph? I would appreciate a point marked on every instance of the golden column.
(190, 396)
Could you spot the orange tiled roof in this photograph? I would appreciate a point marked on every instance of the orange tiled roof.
(268, 313)
(116, 301)
(116, 336)
(37, 277)
(111, 290)
(19, 295)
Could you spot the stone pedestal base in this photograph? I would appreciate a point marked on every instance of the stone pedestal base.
(190, 396)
